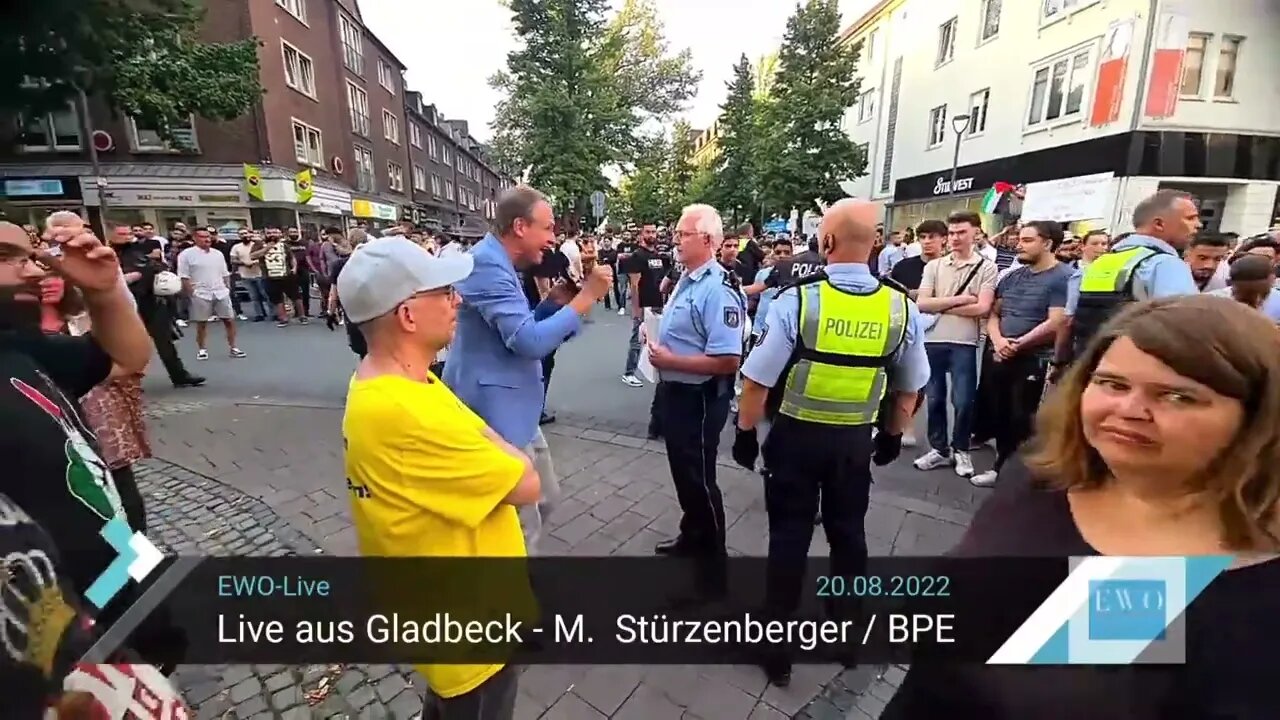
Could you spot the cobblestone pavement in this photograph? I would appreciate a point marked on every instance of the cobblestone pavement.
(265, 477)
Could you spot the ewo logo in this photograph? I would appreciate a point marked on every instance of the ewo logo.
(137, 558)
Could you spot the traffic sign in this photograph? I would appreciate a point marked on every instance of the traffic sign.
(597, 203)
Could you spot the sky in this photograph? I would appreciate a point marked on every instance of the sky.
(452, 48)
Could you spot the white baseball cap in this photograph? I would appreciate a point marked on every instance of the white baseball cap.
(385, 272)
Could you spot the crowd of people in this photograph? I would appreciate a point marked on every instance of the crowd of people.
(1156, 351)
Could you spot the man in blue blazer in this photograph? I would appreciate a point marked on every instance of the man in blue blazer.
(494, 363)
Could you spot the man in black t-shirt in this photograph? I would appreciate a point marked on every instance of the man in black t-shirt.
(645, 269)
(908, 272)
(750, 254)
(536, 283)
(54, 470)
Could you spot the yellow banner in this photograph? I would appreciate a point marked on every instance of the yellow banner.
(302, 185)
(362, 208)
(253, 181)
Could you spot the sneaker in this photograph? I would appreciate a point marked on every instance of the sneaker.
(964, 464)
(180, 323)
(282, 323)
(908, 440)
(632, 381)
(202, 354)
(303, 320)
(621, 312)
(242, 318)
(984, 479)
(237, 353)
(932, 459)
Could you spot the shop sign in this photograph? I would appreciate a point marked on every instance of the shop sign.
(139, 198)
(329, 206)
(32, 188)
(943, 185)
(378, 211)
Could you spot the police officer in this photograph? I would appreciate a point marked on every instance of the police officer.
(835, 349)
(697, 353)
(1145, 265)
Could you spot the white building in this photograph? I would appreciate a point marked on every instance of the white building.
(1158, 93)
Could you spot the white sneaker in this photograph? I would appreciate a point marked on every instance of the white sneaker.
(984, 479)
(241, 318)
(237, 353)
(180, 323)
(932, 459)
(632, 381)
(202, 354)
(621, 312)
(908, 440)
(964, 464)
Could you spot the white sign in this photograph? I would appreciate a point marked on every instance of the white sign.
(329, 206)
(1079, 198)
(943, 186)
(172, 198)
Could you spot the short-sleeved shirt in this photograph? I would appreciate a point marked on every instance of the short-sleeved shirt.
(424, 480)
(1164, 275)
(908, 272)
(704, 317)
(207, 271)
(1270, 306)
(890, 256)
(945, 277)
(1026, 296)
(248, 268)
(276, 261)
(651, 267)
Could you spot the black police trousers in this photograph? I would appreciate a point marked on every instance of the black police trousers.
(810, 463)
(693, 417)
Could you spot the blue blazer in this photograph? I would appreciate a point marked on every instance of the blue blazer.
(495, 360)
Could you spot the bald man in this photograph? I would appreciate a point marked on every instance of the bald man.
(835, 348)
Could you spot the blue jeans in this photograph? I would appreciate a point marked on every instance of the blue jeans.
(633, 348)
(961, 363)
(257, 290)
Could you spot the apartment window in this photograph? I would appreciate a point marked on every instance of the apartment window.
(296, 8)
(1193, 63)
(352, 44)
(990, 20)
(1054, 9)
(415, 134)
(58, 130)
(978, 103)
(870, 45)
(448, 191)
(358, 103)
(147, 139)
(419, 178)
(364, 169)
(1224, 85)
(432, 148)
(444, 157)
(946, 42)
(1057, 89)
(307, 146)
(387, 77)
(437, 188)
(937, 125)
(395, 177)
(866, 105)
(390, 127)
(299, 71)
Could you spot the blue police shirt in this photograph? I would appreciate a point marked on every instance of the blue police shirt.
(703, 317)
(778, 335)
(1161, 276)
(766, 297)
(889, 256)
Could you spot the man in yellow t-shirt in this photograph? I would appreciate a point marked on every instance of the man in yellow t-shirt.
(426, 476)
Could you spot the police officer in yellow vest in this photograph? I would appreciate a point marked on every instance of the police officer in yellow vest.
(833, 351)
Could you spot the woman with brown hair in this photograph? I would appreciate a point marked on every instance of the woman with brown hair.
(1162, 440)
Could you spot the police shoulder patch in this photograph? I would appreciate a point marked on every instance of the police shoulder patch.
(732, 317)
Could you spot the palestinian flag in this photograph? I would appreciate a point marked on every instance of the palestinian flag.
(992, 199)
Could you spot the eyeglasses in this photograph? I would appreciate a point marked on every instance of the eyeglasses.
(682, 234)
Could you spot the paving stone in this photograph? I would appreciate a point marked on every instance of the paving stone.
(287, 697)
(647, 703)
(362, 696)
(607, 687)
(244, 690)
(718, 700)
(762, 711)
(251, 707)
(572, 707)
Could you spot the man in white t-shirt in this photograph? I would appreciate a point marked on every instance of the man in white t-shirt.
(569, 248)
(207, 281)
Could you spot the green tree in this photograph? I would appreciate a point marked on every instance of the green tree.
(702, 187)
(144, 57)
(804, 152)
(580, 88)
(679, 168)
(737, 170)
(646, 191)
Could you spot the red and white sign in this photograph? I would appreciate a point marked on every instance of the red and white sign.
(1114, 66)
(1165, 77)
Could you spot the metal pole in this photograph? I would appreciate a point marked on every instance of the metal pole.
(86, 130)
(955, 166)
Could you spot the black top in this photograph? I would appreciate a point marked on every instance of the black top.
(651, 267)
(909, 272)
(1232, 630)
(794, 268)
(750, 257)
(608, 256)
(134, 257)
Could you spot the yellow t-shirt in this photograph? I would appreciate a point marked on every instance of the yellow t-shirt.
(424, 480)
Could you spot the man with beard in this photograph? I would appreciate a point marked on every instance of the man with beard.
(53, 469)
(139, 264)
(302, 274)
(1203, 256)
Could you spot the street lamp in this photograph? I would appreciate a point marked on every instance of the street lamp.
(959, 123)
